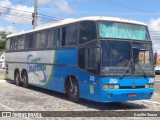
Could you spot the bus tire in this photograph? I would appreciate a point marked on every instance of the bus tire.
(73, 90)
(25, 79)
(17, 78)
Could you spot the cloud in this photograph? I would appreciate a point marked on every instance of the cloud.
(154, 28)
(154, 24)
(15, 14)
(5, 3)
(59, 5)
(43, 1)
(63, 5)
(8, 29)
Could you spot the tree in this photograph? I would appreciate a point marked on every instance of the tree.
(2, 45)
(3, 36)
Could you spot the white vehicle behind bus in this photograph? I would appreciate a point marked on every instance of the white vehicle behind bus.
(2, 64)
(2, 60)
(157, 70)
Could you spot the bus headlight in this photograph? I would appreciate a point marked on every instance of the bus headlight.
(149, 86)
(110, 86)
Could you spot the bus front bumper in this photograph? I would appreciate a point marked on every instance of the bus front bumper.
(118, 95)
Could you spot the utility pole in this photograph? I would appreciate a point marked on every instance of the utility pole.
(35, 14)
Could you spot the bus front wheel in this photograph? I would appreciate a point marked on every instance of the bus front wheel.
(73, 90)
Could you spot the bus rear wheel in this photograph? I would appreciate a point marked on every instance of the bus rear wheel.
(25, 79)
(17, 78)
(73, 90)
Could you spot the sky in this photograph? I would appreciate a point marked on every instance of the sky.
(16, 15)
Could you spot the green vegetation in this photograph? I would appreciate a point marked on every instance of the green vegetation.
(2, 45)
(3, 36)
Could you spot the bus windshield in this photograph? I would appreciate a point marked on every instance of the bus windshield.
(122, 30)
(132, 58)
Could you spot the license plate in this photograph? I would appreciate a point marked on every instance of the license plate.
(131, 95)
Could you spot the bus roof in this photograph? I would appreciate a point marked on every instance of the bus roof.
(72, 20)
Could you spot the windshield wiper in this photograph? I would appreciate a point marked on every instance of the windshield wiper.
(144, 74)
(128, 65)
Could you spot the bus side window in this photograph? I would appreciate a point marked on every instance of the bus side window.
(14, 42)
(8, 44)
(87, 31)
(69, 35)
(11, 42)
(30, 41)
(53, 39)
(41, 39)
(57, 37)
(21, 42)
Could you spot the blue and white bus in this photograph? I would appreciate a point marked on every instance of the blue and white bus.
(102, 59)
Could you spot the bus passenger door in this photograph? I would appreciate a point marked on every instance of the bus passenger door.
(93, 60)
(89, 61)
